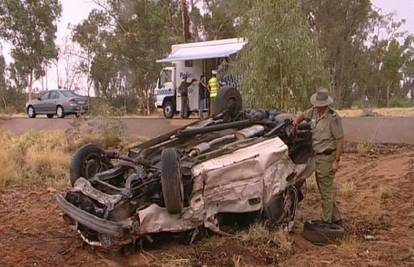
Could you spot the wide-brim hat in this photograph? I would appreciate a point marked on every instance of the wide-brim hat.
(321, 98)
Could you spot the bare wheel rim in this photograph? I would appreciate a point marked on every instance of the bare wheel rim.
(290, 204)
(92, 166)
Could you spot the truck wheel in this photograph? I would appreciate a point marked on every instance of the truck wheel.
(228, 102)
(87, 162)
(168, 109)
(321, 233)
(171, 183)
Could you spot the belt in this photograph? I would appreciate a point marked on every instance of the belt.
(326, 152)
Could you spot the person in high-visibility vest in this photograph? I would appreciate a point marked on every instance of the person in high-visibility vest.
(213, 87)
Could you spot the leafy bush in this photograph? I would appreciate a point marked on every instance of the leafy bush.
(401, 103)
(102, 107)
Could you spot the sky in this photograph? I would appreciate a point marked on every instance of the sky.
(404, 9)
(74, 11)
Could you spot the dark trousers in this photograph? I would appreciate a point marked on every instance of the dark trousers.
(212, 104)
(184, 106)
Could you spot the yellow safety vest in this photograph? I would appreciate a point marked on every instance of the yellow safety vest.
(213, 84)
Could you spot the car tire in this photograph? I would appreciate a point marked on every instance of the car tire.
(321, 233)
(60, 112)
(87, 161)
(50, 116)
(171, 183)
(168, 109)
(228, 102)
(31, 113)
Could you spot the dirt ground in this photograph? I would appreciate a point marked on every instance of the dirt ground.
(375, 193)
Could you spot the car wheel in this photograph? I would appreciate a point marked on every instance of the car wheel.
(321, 233)
(87, 162)
(168, 109)
(31, 112)
(60, 112)
(171, 183)
(281, 210)
(229, 103)
(50, 116)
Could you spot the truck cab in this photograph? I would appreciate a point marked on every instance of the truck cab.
(165, 92)
(190, 60)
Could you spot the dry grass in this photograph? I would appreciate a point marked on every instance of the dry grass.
(349, 244)
(364, 148)
(384, 193)
(259, 236)
(236, 259)
(347, 190)
(44, 157)
(387, 112)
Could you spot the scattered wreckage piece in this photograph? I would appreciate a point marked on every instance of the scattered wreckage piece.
(237, 163)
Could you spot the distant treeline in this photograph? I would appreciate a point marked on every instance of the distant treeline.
(295, 47)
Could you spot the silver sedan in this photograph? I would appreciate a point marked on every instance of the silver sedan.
(57, 102)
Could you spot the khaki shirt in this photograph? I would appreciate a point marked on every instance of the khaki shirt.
(326, 129)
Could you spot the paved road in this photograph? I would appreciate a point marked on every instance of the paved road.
(372, 129)
(393, 130)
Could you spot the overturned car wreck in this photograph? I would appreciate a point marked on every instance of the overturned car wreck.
(238, 162)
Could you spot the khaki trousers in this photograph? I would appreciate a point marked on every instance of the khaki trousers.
(325, 180)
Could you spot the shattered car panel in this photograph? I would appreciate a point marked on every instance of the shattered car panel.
(243, 166)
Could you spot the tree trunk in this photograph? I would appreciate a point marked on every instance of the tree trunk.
(30, 84)
(388, 95)
(186, 21)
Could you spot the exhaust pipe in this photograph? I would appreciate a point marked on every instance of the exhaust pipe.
(249, 132)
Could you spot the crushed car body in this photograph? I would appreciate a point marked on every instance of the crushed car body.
(238, 162)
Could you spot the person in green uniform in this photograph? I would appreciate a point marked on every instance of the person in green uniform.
(327, 143)
(213, 87)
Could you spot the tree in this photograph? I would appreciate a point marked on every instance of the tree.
(93, 37)
(341, 28)
(222, 18)
(125, 39)
(30, 26)
(282, 63)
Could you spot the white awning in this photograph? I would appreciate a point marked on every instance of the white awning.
(204, 52)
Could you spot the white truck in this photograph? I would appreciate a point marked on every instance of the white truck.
(190, 60)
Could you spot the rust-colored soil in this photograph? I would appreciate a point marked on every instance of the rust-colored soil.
(375, 193)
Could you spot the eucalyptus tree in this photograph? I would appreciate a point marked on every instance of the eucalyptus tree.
(30, 27)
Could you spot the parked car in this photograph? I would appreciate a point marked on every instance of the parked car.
(236, 165)
(57, 102)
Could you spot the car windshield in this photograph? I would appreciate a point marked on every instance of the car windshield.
(69, 93)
